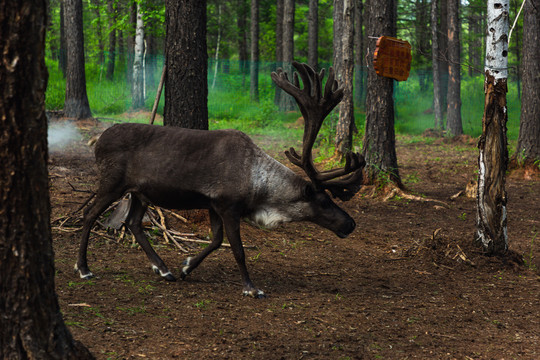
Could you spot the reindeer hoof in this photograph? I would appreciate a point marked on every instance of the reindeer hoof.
(84, 274)
(255, 293)
(166, 275)
(186, 269)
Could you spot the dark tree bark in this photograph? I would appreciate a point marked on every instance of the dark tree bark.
(338, 37)
(359, 52)
(313, 34)
(31, 324)
(437, 108)
(76, 102)
(279, 46)
(62, 59)
(453, 112)
(241, 22)
(345, 125)
(287, 102)
(528, 146)
(186, 83)
(111, 8)
(491, 220)
(379, 147)
(443, 52)
(99, 31)
(254, 70)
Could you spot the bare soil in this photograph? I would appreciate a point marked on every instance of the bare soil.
(407, 284)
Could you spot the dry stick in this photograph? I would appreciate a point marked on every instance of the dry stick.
(158, 95)
(166, 232)
(162, 219)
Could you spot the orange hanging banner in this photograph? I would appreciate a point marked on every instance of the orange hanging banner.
(392, 58)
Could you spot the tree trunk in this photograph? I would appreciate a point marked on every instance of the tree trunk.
(111, 8)
(491, 231)
(359, 54)
(62, 59)
(99, 31)
(287, 102)
(345, 126)
(437, 108)
(279, 46)
(76, 102)
(130, 34)
(218, 43)
(379, 147)
(137, 92)
(528, 146)
(241, 23)
(186, 83)
(443, 52)
(31, 324)
(338, 37)
(313, 34)
(453, 117)
(254, 70)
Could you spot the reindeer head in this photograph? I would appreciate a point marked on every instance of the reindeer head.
(315, 105)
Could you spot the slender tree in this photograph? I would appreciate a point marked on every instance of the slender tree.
(437, 108)
(491, 231)
(186, 83)
(31, 324)
(443, 52)
(111, 9)
(254, 71)
(241, 22)
(345, 125)
(313, 34)
(137, 89)
(76, 103)
(287, 102)
(528, 146)
(359, 43)
(62, 59)
(453, 117)
(379, 148)
(279, 46)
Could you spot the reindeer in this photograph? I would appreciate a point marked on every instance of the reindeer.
(225, 172)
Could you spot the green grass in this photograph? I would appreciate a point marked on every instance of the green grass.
(230, 106)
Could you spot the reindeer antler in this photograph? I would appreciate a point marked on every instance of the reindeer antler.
(315, 106)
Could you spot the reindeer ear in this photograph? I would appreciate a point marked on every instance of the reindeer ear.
(308, 192)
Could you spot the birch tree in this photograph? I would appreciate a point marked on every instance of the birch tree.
(254, 69)
(491, 232)
(138, 80)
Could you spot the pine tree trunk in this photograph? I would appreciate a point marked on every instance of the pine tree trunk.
(111, 8)
(443, 52)
(437, 108)
(241, 23)
(254, 70)
(31, 324)
(453, 111)
(137, 92)
(379, 148)
(279, 46)
(491, 231)
(186, 83)
(62, 60)
(313, 34)
(359, 54)
(528, 147)
(345, 125)
(287, 102)
(76, 102)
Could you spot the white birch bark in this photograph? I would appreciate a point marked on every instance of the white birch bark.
(138, 81)
(491, 229)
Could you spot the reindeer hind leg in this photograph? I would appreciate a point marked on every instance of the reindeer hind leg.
(134, 223)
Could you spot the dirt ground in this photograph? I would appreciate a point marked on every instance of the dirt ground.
(407, 284)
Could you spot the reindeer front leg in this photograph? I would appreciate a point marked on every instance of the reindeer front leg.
(232, 228)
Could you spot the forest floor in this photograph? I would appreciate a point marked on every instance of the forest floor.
(407, 284)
